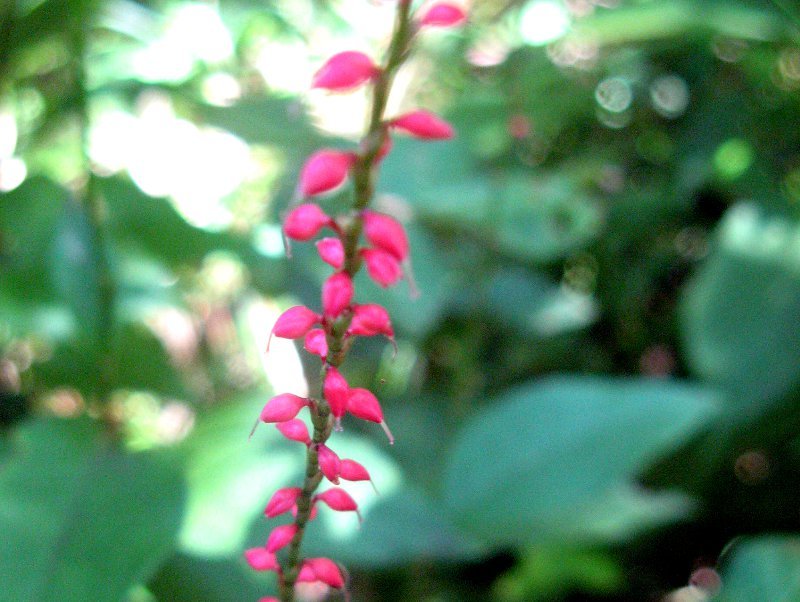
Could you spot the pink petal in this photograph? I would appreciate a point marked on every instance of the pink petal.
(344, 71)
(260, 559)
(382, 267)
(329, 463)
(443, 14)
(294, 430)
(385, 233)
(281, 501)
(324, 171)
(316, 342)
(282, 407)
(336, 391)
(331, 250)
(280, 537)
(305, 221)
(423, 124)
(337, 294)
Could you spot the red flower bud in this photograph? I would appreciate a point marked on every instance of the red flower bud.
(361, 403)
(336, 391)
(260, 559)
(324, 570)
(385, 233)
(423, 124)
(294, 430)
(370, 320)
(344, 71)
(382, 267)
(268, 599)
(306, 574)
(337, 294)
(316, 342)
(331, 251)
(328, 463)
(305, 221)
(339, 500)
(281, 501)
(294, 323)
(280, 537)
(443, 14)
(282, 407)
(324, 171)
(350, 470)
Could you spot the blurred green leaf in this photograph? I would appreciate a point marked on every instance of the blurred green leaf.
(762, 568)
(82, 520)
(741, 310)
(545, 573)
(538, 457)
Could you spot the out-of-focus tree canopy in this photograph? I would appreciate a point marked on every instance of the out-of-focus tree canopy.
(596, 393)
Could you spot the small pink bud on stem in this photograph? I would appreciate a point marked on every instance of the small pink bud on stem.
(305, 221)
(361, 403)
(323, 570)
(344, 71)
(339, 500)
(331, 251)
(336, 392)
(385, 233)
(316, 342)
(337, 294)
(350, 470)
(324, 171)
(443, 14)
(424, 125)
(329, 463)
(281, 501)
(280, 537)
(382, 267)
(294, 430)
(294, 323)
(260, 559)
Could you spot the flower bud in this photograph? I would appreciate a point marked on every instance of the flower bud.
(443, 14)
(350, 470)
(382, 267)
(344, 71)
(361, 403)
(280, 537)
(294, 430)
(326, 571)
(268, 599)
(339, 500)
(305, 221)
(370, 320)
(282, 407)
(328, 463)
(336, 391)
(316, 342)
(260, 559)
(281, 501)
(331, 250)
(294, 323)
(337, 294)
(423, 124)
(324, 171)
(385, 233)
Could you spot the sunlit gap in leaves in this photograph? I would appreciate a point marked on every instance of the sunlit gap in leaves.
(12, 169)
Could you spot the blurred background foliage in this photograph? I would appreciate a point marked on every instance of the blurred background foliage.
(595, 395)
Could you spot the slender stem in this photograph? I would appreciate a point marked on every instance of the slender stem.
(363, 178)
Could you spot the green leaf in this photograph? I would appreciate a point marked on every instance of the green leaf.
(740, 313)
(763, 568)
(540, 456)
(186, 578)
(82, 520)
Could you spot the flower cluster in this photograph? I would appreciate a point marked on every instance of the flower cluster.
(363, 237)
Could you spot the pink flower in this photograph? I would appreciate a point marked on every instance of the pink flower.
(260, 559)
(337, 294)
(344, 71)
(305, 221)
(385, 233)
(282, 407)
(361, 403)
(336, 391)
(316, 342)
(280, 537)
(339, 500)
(325, 171)
(443, 14)
(268, 599)
(294, 430)
(382, 267)
(329, 463)
(324, 570)
(423, 124)
(331, 251)
(370, 320)
(294, 323)
(281, 501)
